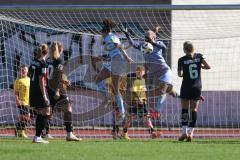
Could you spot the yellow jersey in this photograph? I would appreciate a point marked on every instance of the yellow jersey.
(139, 87)
(22, 88)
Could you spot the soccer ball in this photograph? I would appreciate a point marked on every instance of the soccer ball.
(146, 48)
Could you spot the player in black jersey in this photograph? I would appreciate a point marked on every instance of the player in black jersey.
(38, 94)
(57, 88)
(189, 67)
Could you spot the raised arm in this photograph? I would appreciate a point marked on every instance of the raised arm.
(131, 41)
(127, 58)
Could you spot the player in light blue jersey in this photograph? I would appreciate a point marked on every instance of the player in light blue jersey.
(157, 68)
(118, 64)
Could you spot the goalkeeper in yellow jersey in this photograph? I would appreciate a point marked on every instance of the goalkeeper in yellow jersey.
(21, 92)
(138, 104)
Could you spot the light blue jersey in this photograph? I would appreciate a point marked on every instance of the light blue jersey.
(155, 62)
(111, 42)
(117, 65)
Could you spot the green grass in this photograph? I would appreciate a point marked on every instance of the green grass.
(17, 149)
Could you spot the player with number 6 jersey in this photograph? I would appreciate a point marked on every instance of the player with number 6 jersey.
(189, 67)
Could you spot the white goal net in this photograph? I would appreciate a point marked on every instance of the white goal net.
(213, 31)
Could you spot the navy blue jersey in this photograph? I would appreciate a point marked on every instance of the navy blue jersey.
(54, 64)
(55, 72)
(37, 70)
(191, 67)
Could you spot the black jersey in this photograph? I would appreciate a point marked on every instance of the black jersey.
(55, 73)
(37, 70)
(191, 67)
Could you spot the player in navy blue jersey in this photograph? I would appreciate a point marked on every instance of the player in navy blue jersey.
(57, 88)
(189, 68)
(38, 94)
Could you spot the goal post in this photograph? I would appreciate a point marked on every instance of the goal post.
(213, 29)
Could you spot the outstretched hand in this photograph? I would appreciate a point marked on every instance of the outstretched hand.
(123, 28)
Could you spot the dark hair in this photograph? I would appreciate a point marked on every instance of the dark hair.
(108, 25)
(40, 50)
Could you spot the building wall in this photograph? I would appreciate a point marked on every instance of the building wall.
(81, 2)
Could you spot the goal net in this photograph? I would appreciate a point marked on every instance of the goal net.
(214, 32)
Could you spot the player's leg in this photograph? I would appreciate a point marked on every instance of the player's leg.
(160, 92)
(184, 118)
(118, 96)
(132, 113)
(24, 119)
(115, 130)
(160, 102)
(148, 124)
(19, 124)
(147, 120)
(41, 120)
(194, 102)
(47, 134)
(126, 126)
(64, 105)
(193, 118)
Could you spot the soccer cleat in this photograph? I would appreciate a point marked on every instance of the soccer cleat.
(182, 137)
(21, 133)
(39, 140)
(155, 134)
(125, 136)
(24, 135)
(72, 137)
(47, 136)
(116, 136)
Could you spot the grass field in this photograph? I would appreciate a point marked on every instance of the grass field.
(218, 149)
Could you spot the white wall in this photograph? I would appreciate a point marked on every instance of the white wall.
(216, 34)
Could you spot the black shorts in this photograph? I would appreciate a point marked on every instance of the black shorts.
(23, 110)
(139, 110)
(193, 93)
(36, 98)
(54, 101)
(37, 101)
